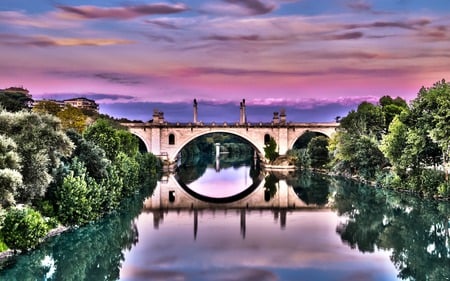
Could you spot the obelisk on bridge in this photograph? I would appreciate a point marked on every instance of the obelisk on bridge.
(195, 112)
(243, 114)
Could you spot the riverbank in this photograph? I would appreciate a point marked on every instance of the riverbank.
(5, 255)
(377, 184)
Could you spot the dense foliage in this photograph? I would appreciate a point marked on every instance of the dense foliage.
(14, 102)
(396, 145)
(270, 150)
(47, 165)
(23, 228)
(40, 144)
(318, 151)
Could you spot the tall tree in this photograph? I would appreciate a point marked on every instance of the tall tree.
(391, 108)
(10, 177)
(104, 135)
(40, 144)
(14, 102)
(318, 151)
(47, 106)
(72, 118)
(394, 143)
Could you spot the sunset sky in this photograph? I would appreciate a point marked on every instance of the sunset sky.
(316, 58)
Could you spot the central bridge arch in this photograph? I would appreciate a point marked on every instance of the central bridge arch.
(191, 138)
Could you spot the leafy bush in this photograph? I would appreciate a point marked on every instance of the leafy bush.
(128, 169)
(79, 198)
(270, 150)
(23, 228)
(149, 166)
(444, 189)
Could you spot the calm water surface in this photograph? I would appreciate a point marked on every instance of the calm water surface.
(287, 227)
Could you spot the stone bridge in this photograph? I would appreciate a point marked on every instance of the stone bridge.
(167, 139)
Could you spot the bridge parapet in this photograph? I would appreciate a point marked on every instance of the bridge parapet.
(232, 124)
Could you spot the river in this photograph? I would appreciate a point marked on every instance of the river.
(226, 219)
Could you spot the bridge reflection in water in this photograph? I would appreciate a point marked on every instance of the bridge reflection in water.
(171, 197)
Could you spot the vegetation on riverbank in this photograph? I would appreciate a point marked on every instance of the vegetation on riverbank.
(63, 173)
(391, 143)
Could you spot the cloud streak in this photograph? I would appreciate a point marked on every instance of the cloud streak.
(47, 41)
(121, 13)
(254, 7)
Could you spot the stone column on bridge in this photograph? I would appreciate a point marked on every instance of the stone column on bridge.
(283, 116)
(275, 119)
(283, 140)
(195, 112)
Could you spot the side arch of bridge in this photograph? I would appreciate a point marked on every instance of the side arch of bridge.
(324, 131)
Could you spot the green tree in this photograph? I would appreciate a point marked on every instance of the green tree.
(104, 135)
(47, 106)
(128, 169)
(14, 102)
(318, 152)
(10, 177)
(72, 118)
(391, 108)
(40, 144)
(93, 157)
(128, 143)
(368, 120)
(23, 228)
(357, 155)
(393, 145)
(440, 131)
(299, 157)
(270, 150)
(79, 197)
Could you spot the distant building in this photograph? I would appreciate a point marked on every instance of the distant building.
(82, 103)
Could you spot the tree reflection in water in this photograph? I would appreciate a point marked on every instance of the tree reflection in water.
(93, 252)
(414, 230)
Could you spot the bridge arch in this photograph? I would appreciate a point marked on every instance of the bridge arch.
(318, 132)
(142, 138)
(185, 142)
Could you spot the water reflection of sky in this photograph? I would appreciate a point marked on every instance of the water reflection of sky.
(307, 249)
(224, 183)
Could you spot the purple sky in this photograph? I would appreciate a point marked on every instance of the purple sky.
(316, 58)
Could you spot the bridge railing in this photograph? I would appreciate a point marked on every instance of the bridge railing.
(231, 124)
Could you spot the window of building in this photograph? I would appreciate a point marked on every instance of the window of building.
(172, 139)
(266, 138)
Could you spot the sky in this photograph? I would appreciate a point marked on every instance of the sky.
(315, 58)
